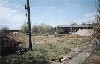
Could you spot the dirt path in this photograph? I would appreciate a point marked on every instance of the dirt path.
(77, 55)
(79, 58)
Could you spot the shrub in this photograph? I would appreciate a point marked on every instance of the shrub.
(27, 58)
(7, 45)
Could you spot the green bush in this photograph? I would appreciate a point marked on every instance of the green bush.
(50, 50)
(23, 59)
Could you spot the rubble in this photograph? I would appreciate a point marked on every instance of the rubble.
(84, 32)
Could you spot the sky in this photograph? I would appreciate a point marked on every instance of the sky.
(50, 12)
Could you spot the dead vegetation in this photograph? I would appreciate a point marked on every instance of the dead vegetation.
(50, 38)
(47, 47)
(52, 46)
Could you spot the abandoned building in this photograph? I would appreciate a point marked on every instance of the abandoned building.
(67, 29)
(12, 31)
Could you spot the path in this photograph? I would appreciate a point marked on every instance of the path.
(77, 55)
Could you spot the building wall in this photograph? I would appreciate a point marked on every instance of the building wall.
(67, 30)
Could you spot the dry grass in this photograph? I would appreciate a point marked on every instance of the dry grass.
(68, 40)
(46, 48)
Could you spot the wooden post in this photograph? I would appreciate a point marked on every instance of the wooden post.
(27, 7)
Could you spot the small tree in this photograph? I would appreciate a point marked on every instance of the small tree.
(51, 30)
(35, 29)
(42, 29)
(24, 28)
(4, 30)
(83, 24)
(74, 24)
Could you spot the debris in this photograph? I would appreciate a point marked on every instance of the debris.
(84, 32)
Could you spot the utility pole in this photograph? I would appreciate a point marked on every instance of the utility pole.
(27, 7)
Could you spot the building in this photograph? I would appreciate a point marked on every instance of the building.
(12, 31)
(67, 29)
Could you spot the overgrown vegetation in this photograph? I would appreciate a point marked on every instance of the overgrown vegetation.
(11, 53)
(51, 49)
(7, 44)
(41, 29)
(41, 54)
(24, 28)
(94, 57)
(27, 58)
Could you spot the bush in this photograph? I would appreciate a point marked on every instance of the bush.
(27, 58)
(50, 51)
(7, 45)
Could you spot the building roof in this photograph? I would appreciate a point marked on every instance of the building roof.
(12, 30)
(75, 26)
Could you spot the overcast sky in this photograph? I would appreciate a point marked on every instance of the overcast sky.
(50, 12)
